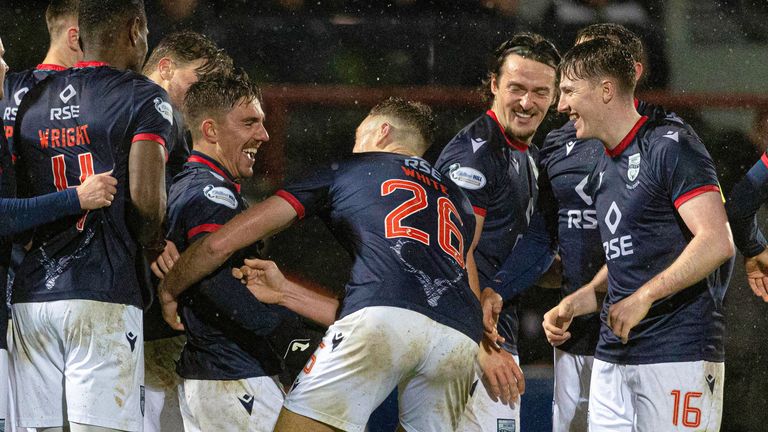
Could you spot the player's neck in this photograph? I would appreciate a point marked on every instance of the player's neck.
(618, 124)
(60, 57)
(114, 58)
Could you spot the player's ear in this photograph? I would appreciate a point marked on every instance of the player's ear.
(166, 68)
(608, 90)
(135, 31)
(209, 130)
(638, 71)
(73, 35)
(494, 84)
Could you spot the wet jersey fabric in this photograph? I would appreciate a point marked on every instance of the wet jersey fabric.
(226, 326)
(179, 149)
(407, 229)
(77, 123)
(638, 188)
(499, 176)
(744, 201)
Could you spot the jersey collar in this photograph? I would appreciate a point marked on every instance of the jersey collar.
(201, 158)
(515, 144)
(627, 139)
(83, 64)
(50, 67)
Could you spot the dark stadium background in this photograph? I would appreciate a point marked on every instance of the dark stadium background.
(707, 60)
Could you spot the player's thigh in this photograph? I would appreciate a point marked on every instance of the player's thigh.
(680, 396)
(251, 404)
(104, 350)
(434, 398)
(154, 401)
(37, 362)
(360, 360)
(483, 414)
(611, 403)
(570, 399)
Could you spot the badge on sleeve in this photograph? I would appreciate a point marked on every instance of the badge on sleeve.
(466, 177)
(221, 195)
(164, 108)
(633, 166)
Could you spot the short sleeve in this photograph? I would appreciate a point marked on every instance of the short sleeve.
(686, 169)
(310, 194)
(469, 169)
(154, 114)
(204, 211)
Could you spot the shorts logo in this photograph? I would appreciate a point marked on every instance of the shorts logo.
(295, 384)
(221, 195)
(711, 383)
(473, 388)
(131, 340)
(164, 108)
(337, 338)
(467, 178)
(477, 143)
(633, 166)
(20, 94)
(67, 94)
(505, 425)
(141, 399)
(246, 401)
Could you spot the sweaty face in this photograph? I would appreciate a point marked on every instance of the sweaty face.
(3, 67)
(240, 135)
(581, 100)
(182, 79)
(523, 92)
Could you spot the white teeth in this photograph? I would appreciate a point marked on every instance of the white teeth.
(523, 115)
(251, 153)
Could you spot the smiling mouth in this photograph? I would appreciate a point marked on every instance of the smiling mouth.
(523, 115)
(251, 153)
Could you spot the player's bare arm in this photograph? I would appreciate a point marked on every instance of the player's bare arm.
(711, 246)
(262, 220)
(268, 284)
(146, 173)
(586, 299)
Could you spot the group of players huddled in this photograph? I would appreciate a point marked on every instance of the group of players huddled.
(121, 184)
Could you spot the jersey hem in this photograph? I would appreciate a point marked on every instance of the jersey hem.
(659, 359)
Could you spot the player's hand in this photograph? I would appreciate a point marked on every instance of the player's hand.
(165, 261)
(263, 279)
(492, 304)
(626, 314)
(170, 307)
(97, 191)
(556, 323)
(502, 377)
(756, 268)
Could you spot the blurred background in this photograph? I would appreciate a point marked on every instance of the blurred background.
(324, 63)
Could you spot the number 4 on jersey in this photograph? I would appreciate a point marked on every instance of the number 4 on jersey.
(447, 229)
(59, 167)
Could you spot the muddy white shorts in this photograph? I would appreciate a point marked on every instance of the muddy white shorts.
(365, 355)
(482, 414)
(570, 399)
(657, 397)
(82, 357)
(248, 405)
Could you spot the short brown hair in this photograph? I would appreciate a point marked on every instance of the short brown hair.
(599, 58)
(216, 95)
(186, 47)
(415, 114)
(616, 32)
(58, 9)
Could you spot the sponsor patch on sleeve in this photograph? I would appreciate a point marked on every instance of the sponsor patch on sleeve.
(468, 178)
(165, 109)
(221, 195)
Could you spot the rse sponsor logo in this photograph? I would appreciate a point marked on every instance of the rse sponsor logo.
(586, 219)
(466, 177)
(423, 166)
(618, 247)
(164, 108)
(221, 195)
(9, 114)
(65, 113)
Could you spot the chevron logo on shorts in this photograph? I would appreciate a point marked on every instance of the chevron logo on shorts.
(247, 402)
(711, 383)
(506, 425)
(131, 339)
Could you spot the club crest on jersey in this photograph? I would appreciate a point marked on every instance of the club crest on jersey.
(466, 177)
(221, 195)
(633, 166)
(164, 108)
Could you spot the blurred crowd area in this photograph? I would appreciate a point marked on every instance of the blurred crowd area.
(446, 42)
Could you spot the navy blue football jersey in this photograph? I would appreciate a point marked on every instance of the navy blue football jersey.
(499, 176)
(743, 203)
(17, 85)
(77, 123)
(407, 230)
(226, 326)
(638, 187)
(5, 242)
(179, 149)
